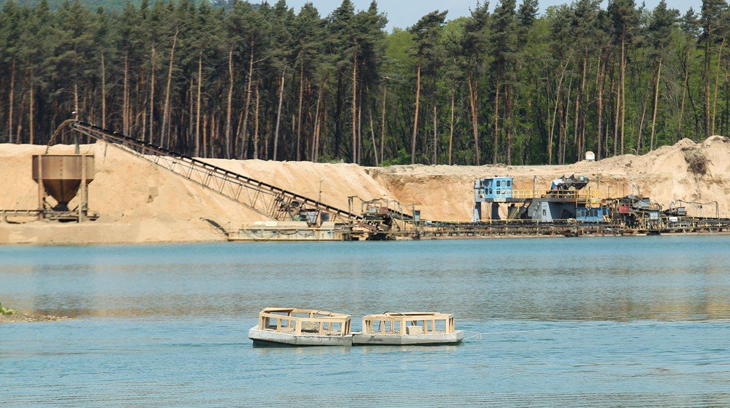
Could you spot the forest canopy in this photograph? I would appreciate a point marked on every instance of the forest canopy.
(505, 84)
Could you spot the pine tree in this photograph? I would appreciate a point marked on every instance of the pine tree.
(426, 33)
(659, 33)
(503, 48)
(474, 53)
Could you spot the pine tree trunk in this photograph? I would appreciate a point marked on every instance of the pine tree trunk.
(278, 114)
(318, 118)
(76, 100)
(354, 107)
(656, 105)
(564, 113)
(214, 148)
(338, 114)
(601, 81)
(191, 121)
(382, 124)
(125, 97)
(246, 109)
(315, 136)
(103, 93)
(576, 120)
(508, 122)
(267, 139)
(256, 126)
(238, 132)
(496, 121)
(640, 138)
(372, 135)
(560, 130)
(31, 125)
(230, 103)
(415, 117)
(164, 137)
(451, 127)
(623, 94)
(435, 137)
(708, 58)
(11, 103)
(299, 111)
(198, 104)
(617, 113)
(20, 120)
(717, 85)
(684, 94)
(551, 135)
(323, 130)
(205, 135)
(474, 118)
(359, 129)
(152, 95)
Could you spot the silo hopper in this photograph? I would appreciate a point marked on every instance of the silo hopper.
(61, 177)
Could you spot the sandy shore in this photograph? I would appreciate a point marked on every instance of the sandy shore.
(139, 202)
(15, 316)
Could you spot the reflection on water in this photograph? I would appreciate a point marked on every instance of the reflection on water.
(557, 322)
(666, 278)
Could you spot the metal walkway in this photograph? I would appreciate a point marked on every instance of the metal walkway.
(268, 200)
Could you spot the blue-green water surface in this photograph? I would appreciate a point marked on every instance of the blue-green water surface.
(552, 322)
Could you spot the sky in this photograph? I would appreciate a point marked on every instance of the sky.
(405, 13)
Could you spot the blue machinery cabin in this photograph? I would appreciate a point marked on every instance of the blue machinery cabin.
(491, 190)
(565, 200)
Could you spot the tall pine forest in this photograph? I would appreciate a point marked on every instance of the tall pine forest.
(507, 84)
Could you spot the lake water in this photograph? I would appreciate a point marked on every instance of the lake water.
(559, 322)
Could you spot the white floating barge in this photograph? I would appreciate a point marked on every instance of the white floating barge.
(413, 328)
(300, 327)
(307, 327)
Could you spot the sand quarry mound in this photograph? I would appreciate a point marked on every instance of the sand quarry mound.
(142, 203)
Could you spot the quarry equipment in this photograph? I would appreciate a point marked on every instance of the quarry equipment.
(60, 178)
(272, 202)
(291, 231)
(565, 196)
(569, 183)
(387, 216)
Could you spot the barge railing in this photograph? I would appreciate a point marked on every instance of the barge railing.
(286, 320)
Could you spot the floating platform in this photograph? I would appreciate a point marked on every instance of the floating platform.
(392, 339)
(267, 338)
(282, 327)
(291, 327)
(412, 328)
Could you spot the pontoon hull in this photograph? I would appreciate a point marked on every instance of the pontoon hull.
(267, 338)
(435, 339)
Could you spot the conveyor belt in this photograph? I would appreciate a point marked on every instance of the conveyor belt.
(266, 199)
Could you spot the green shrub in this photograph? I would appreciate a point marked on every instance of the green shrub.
(5, 311)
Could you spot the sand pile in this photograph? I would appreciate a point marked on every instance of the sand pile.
(339, 181)
(138, 202)
(142, 203)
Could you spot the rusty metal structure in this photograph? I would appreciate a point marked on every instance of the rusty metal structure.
(63, 177)
(60, 178)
